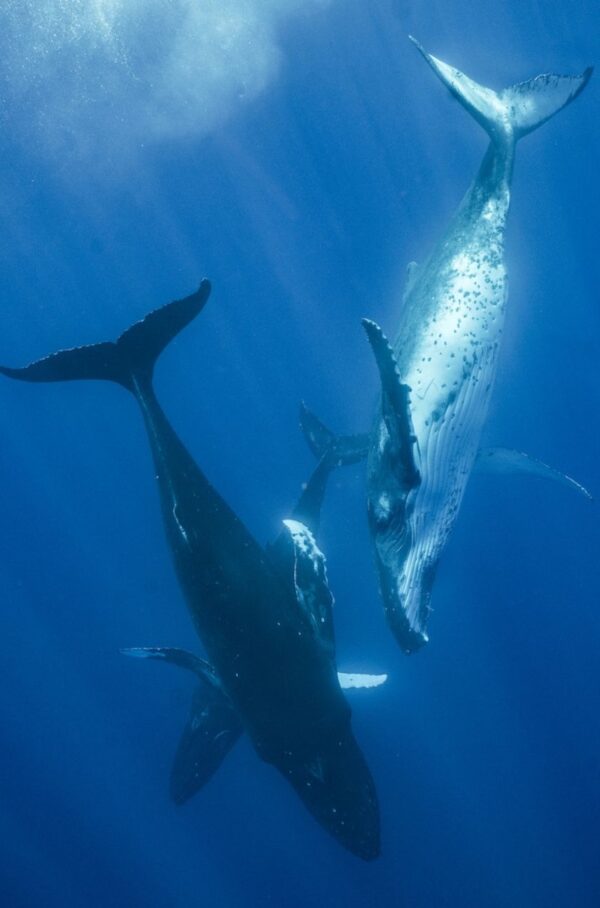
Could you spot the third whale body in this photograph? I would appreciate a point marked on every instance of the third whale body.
(437, 374)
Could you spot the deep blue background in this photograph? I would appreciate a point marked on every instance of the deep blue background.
(303, 207)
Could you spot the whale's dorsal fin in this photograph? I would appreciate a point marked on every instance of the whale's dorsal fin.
(507, 460)
(310, 582)
(395, 406)
(212, 727)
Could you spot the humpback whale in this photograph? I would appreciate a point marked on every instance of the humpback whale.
(264, 616)
(437, 374)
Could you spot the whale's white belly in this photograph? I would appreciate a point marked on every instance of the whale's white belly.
(450, 371)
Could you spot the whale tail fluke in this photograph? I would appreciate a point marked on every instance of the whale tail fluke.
(338, 450)
(133, 354)
(331, 451)
(515, 111)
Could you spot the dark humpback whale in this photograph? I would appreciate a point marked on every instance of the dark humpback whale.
(437, 375)
(264, 615)
(213, 726)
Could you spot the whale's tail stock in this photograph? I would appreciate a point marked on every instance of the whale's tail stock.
(126, 360)
(515, 111)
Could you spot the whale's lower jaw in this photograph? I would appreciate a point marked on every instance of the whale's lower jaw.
(409, 639)
(409, 631)
(405, 600)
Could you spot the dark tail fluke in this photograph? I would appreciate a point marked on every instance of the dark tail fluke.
(339, 450)
(133, 354)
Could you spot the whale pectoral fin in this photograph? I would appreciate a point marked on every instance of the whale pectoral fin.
(212, 727)
(508, 461)
(175, 656)
(356, 680)
(395, 406)
(211, 730)
(310, 582)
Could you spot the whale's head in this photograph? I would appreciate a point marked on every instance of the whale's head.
(336, 786)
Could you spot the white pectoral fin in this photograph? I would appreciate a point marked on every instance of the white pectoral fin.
(509, 461)
(355, 680)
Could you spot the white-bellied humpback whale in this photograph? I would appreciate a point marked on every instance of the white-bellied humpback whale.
(263, 615)
(437, 375)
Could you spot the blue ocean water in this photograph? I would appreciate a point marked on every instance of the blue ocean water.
(299, 154)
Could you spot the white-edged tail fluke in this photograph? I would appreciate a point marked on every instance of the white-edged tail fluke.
(513, 112)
